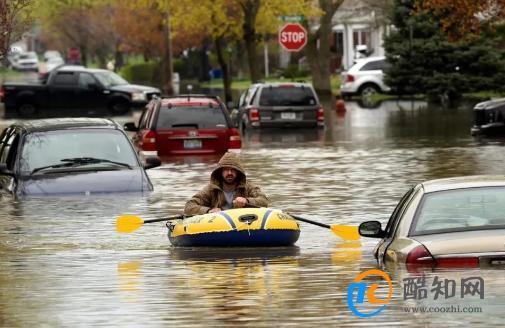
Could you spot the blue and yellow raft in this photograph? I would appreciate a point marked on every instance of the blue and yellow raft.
(236, 227)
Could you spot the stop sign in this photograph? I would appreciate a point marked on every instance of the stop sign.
(293, 37)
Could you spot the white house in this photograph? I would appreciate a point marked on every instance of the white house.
(358, 24)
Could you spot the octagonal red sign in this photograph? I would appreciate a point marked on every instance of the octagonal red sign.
(293, 37)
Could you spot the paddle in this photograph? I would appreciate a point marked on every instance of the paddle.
(344, 232)
(129, 223)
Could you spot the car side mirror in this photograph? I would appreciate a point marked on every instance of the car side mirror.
(371, 229)
(130, 126)
(152, 161)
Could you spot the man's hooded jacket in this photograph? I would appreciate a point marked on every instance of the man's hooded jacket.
(213, 195)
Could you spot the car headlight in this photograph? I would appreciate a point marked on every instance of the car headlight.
(139, 96)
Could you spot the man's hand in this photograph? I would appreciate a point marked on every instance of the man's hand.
(239, 202)
(214, 210)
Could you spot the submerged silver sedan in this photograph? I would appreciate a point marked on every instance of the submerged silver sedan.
(454, 222)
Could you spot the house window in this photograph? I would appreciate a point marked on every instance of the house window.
(360, 37)
(339, 43)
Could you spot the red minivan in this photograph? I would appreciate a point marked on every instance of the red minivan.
(185, 125)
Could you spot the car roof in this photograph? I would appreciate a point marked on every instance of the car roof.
(66, 123)
(283, 84)
(472, 181)
(368, 59)
(491, 104)
(190, 100)
(71, 68)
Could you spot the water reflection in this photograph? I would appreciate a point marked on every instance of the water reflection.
(64, 265)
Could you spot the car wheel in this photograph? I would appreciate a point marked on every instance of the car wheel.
(119, 107)
(368, 89)
(27, 109)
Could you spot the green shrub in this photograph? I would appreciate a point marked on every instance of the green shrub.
(148, 73)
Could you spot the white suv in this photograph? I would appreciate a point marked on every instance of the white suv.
(365, 77)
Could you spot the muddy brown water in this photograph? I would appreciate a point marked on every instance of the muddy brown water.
(63, 264)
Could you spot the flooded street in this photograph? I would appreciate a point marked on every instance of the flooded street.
(64, 265)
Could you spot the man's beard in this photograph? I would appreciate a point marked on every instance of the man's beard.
(230, 179)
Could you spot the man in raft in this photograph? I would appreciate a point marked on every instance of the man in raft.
(228, 188)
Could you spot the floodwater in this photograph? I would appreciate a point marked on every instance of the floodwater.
(64, 265)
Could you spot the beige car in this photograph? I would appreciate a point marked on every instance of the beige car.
(455, 222)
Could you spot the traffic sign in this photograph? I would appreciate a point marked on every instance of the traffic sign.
(295, 18)
(293, 37)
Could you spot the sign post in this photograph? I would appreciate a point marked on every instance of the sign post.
(293, 37)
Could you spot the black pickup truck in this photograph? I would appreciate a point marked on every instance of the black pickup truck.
(74, 90)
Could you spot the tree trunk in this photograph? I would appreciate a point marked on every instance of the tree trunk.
(250, 9)
(218, 42)
(318, 54)
(167, 57)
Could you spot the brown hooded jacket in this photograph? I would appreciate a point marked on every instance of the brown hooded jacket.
(213, 195)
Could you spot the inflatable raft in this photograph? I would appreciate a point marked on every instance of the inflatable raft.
(237, 227)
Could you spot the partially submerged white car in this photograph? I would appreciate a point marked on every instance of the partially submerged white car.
(365, 77)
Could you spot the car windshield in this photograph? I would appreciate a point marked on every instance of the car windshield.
(287, 96)
(110, 79)
(76, 147)
(200, 117)
(28, 55)
(461, 210)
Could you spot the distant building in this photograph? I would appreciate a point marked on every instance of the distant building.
(359, 27)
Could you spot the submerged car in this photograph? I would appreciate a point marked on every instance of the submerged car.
(279, 105)
(70, 156)
(489, 118)
(185, 125)
(454, 222)
(365, 77)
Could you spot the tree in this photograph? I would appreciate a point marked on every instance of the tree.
(318, 47)
(261, 19)
(463, 19)
(15, 18)
(70, 22)
(424, 61)
(250, 9)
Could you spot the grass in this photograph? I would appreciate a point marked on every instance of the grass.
(244, 84)
(485, 94)
(7, 74)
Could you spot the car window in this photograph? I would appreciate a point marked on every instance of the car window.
(460, 210)
(252, 96)
(85, 79)
(65, 78)
(201, 117)
(241, 101)
(151, 114)
(287, 96)
(110, 79)
(143, 117)
(375, 65)
(397, 213)
(49, 148)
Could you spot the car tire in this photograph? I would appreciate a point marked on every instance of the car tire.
(27, 109)
(368, 89)
(119, 107)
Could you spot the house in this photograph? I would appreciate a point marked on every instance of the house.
(359, 27)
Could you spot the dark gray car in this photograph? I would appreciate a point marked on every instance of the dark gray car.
(279, 105)
(70, 156)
